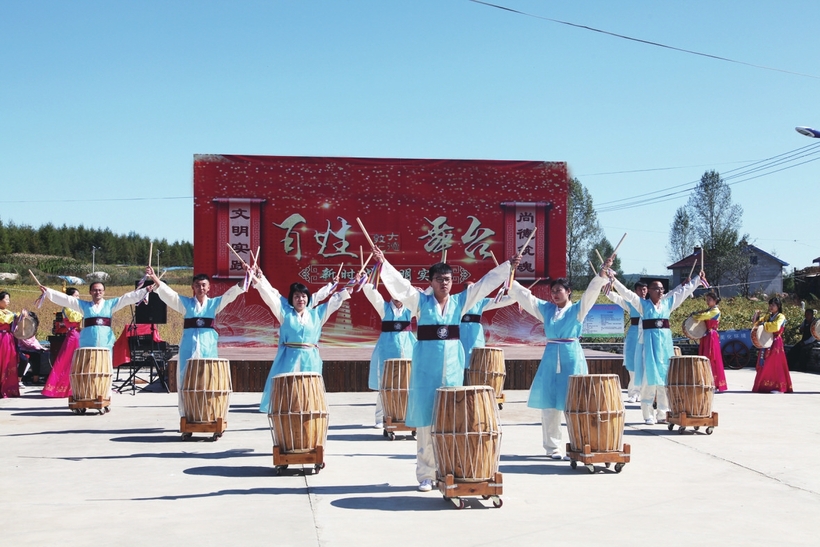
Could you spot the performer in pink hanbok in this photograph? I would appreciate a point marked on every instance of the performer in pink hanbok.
(58, 384)
(9, 385)
(773, 375)
(710, 342)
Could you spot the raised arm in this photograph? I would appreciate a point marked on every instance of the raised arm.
(229, 296)
(505, 301)
(270, 295)
(170, 297)
(62, 299)
(590, 296)
(129, 298)
(317, 297)
(335, 302)
(375, 298)
(527, 300)
(628, 295)
(682, 292)
(398, 287)
(486, 284)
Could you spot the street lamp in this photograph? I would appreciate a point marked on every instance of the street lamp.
(808, 131)
(93, 258)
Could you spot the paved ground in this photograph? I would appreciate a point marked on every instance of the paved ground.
(125, 478)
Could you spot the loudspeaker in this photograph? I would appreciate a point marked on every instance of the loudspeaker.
(155, 312)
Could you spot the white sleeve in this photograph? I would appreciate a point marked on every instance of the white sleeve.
(590, 296)
(505, 301)
(399, 288)
(317, 297)
(62, 299)
(628, 295)
(229, 296)
(375, 298)
(271, 297)
(334, 304)
(526, 299)
(616, 298)
(129, 298)
(170, 297)
(682, 292)
(486, 284)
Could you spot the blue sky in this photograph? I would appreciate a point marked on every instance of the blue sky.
(111, 100)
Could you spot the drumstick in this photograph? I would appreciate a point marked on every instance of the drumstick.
(35, 278)
(340, 269)
(242, 261)
(494, 259)
(150, 252)
(618, 246)
(444, 256)
(366, 235)
(599, 256)
(702, 265)
(521, 251)
(534, 283)
(361, 256)
(366, 262)
(695, 263)
(594, 271)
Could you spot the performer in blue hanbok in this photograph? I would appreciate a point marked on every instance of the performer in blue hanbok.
(633, 352)
(563, 356)
(396, 340)
(656, 341)
(438, 358)
(471, 332)
(199, 335)
(299, 330)
(97, 314)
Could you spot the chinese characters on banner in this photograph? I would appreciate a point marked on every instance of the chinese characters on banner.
(238, 225)
(520, 219)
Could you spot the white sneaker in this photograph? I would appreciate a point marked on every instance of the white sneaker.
(632, 399)
(426, 485)
(650, 421)
(378, 426)
(556, 455)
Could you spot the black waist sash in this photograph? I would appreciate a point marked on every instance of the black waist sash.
(198, 323)
(97, 322)
(655, 324)
(471, 318)
(437, 332)
(634, 321)
(395, 326)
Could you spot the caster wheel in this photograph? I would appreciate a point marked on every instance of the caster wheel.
(391, 436)
(186, 436)
(413, 434)
(670, 427)
(459, 503)
(215, 437)
(384, 433)
(318, 467)
(82, 410)
(75, 410)
(591, 468)
(710, 430)
(277, 470)
(681, 429)
(497, 502)
(500, 406)
(607, 464)
(485, 497)
(697, 428)
(619, 467)
(573, 464)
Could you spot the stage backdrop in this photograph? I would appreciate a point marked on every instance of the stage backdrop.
(301, 212)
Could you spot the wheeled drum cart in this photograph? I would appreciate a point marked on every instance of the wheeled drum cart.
(590, 458)
(455, 491)
(391, 427)
(80, 407)
(683, 421)
(188, 429)
(281, 460)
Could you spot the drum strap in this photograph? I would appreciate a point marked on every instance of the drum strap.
(437, 332)
(634, 321)
(471, 318)
(198, 323)
(655, 324)
(300, 345)
(97, 322)
(395, 326)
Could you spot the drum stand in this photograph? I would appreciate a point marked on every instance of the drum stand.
(390, 428)
(80, 407)
(189, 428)
(315, 457)
(588, 458)
(454, 491)
(684, 421)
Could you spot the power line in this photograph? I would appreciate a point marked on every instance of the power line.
(94, 199)
(641, 41)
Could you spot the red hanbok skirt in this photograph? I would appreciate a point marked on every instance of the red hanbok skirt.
(59, 381)
(710, 348)
(774, 374)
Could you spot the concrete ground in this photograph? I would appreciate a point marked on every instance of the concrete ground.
(125, 478)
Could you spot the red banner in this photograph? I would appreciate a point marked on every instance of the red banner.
(302, 212)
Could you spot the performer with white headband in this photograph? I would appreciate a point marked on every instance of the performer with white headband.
(563, 355)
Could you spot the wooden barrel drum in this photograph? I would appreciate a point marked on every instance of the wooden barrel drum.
(395, 388)
(298, 414)
(206, 390)
(466, 433)
(90, 375)
(595, 412)
(487, 368)
(690, 386)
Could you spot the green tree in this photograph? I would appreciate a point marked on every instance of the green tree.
(583, 231)
(682, 237)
